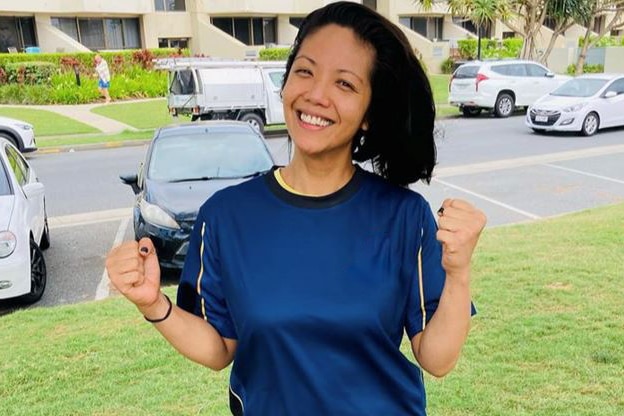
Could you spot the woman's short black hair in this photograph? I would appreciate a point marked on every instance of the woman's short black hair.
(400, 137)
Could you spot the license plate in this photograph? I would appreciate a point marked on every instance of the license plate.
(541, 119)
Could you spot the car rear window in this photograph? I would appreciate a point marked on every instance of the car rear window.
(466, 71)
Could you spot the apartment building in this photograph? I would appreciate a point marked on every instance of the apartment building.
(234, 29)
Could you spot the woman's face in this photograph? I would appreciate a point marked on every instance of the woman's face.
(328, 91)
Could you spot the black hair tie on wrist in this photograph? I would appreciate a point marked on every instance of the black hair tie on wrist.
(155, 321)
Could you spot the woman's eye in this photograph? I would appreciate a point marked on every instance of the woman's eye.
(303, 71)
(347, 85)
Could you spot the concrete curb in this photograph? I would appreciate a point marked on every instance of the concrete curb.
(90, 146)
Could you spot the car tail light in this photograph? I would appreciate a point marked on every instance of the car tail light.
(480, 77)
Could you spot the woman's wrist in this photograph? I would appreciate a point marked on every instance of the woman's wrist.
(159, 310)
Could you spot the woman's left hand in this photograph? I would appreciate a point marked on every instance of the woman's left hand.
(460, 225)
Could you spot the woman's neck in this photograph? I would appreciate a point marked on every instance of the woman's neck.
(316, 178)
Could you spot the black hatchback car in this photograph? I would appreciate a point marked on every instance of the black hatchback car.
(185, 165)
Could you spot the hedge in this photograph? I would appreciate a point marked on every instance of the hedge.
(490, 48)
(274, 54)
(51, 79)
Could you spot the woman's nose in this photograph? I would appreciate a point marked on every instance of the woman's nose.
(318, 93)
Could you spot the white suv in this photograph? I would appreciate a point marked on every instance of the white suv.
(500, 86)
(19, 133)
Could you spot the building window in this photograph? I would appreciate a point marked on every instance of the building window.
(101, 33)
(181, 43)
(169, 5)
(599, 23)
(249, 30)
(17, 33)
(429, 27)
(467, 24)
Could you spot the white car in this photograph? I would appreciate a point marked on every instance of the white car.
(500, 86)
(584, 104)
(23, 228)
(18, 132)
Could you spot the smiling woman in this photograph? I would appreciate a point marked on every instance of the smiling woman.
(308, 276)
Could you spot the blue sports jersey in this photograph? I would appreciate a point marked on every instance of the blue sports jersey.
(318, 292)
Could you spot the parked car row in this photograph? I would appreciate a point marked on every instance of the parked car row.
(554, 102)
(184, 165)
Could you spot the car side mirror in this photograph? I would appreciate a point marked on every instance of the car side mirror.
(132, 180)
(610, 94)
(549, 74)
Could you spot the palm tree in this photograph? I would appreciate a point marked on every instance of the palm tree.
(480, 12)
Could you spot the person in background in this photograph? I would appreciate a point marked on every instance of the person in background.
(104, 78)
(308, 278)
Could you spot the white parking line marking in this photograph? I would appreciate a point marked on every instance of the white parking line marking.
(89, 218)
(527, 161)
(580, 172)
(103, 288)
(490, 200)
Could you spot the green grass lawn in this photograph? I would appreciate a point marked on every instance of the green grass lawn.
(47, 123)
(141, 115)
(439, 86)
(548, 339)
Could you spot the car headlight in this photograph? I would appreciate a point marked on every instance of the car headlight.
(7, 243)
(573, 108)
(24, 126)
(156, 215)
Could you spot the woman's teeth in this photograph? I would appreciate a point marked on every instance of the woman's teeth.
(315, 121)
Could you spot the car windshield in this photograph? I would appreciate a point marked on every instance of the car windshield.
(580, 87)
(210, 154)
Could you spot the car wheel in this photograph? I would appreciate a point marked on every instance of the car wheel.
(504, 105)
(590, 124)
(45, 237)
(38, 274)
(255, 120)
(471, 111)
(11, 140)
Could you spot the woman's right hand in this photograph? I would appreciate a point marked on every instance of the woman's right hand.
(134, 271)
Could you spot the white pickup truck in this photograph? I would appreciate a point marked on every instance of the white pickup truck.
(210, 89)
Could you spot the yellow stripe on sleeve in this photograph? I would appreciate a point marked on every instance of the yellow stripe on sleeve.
(201, 270)
(421, 289)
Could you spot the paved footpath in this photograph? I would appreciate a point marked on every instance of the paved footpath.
(83, 114)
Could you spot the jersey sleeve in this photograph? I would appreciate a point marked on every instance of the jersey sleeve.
(429, 276)
(201, 290)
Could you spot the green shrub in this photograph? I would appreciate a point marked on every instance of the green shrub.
(587, 69)
(274, 54)
(603, 42)
(135, 82)
(446, 67)
(490, 48)
(467, 48)
(29, 72)
(52, 79)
